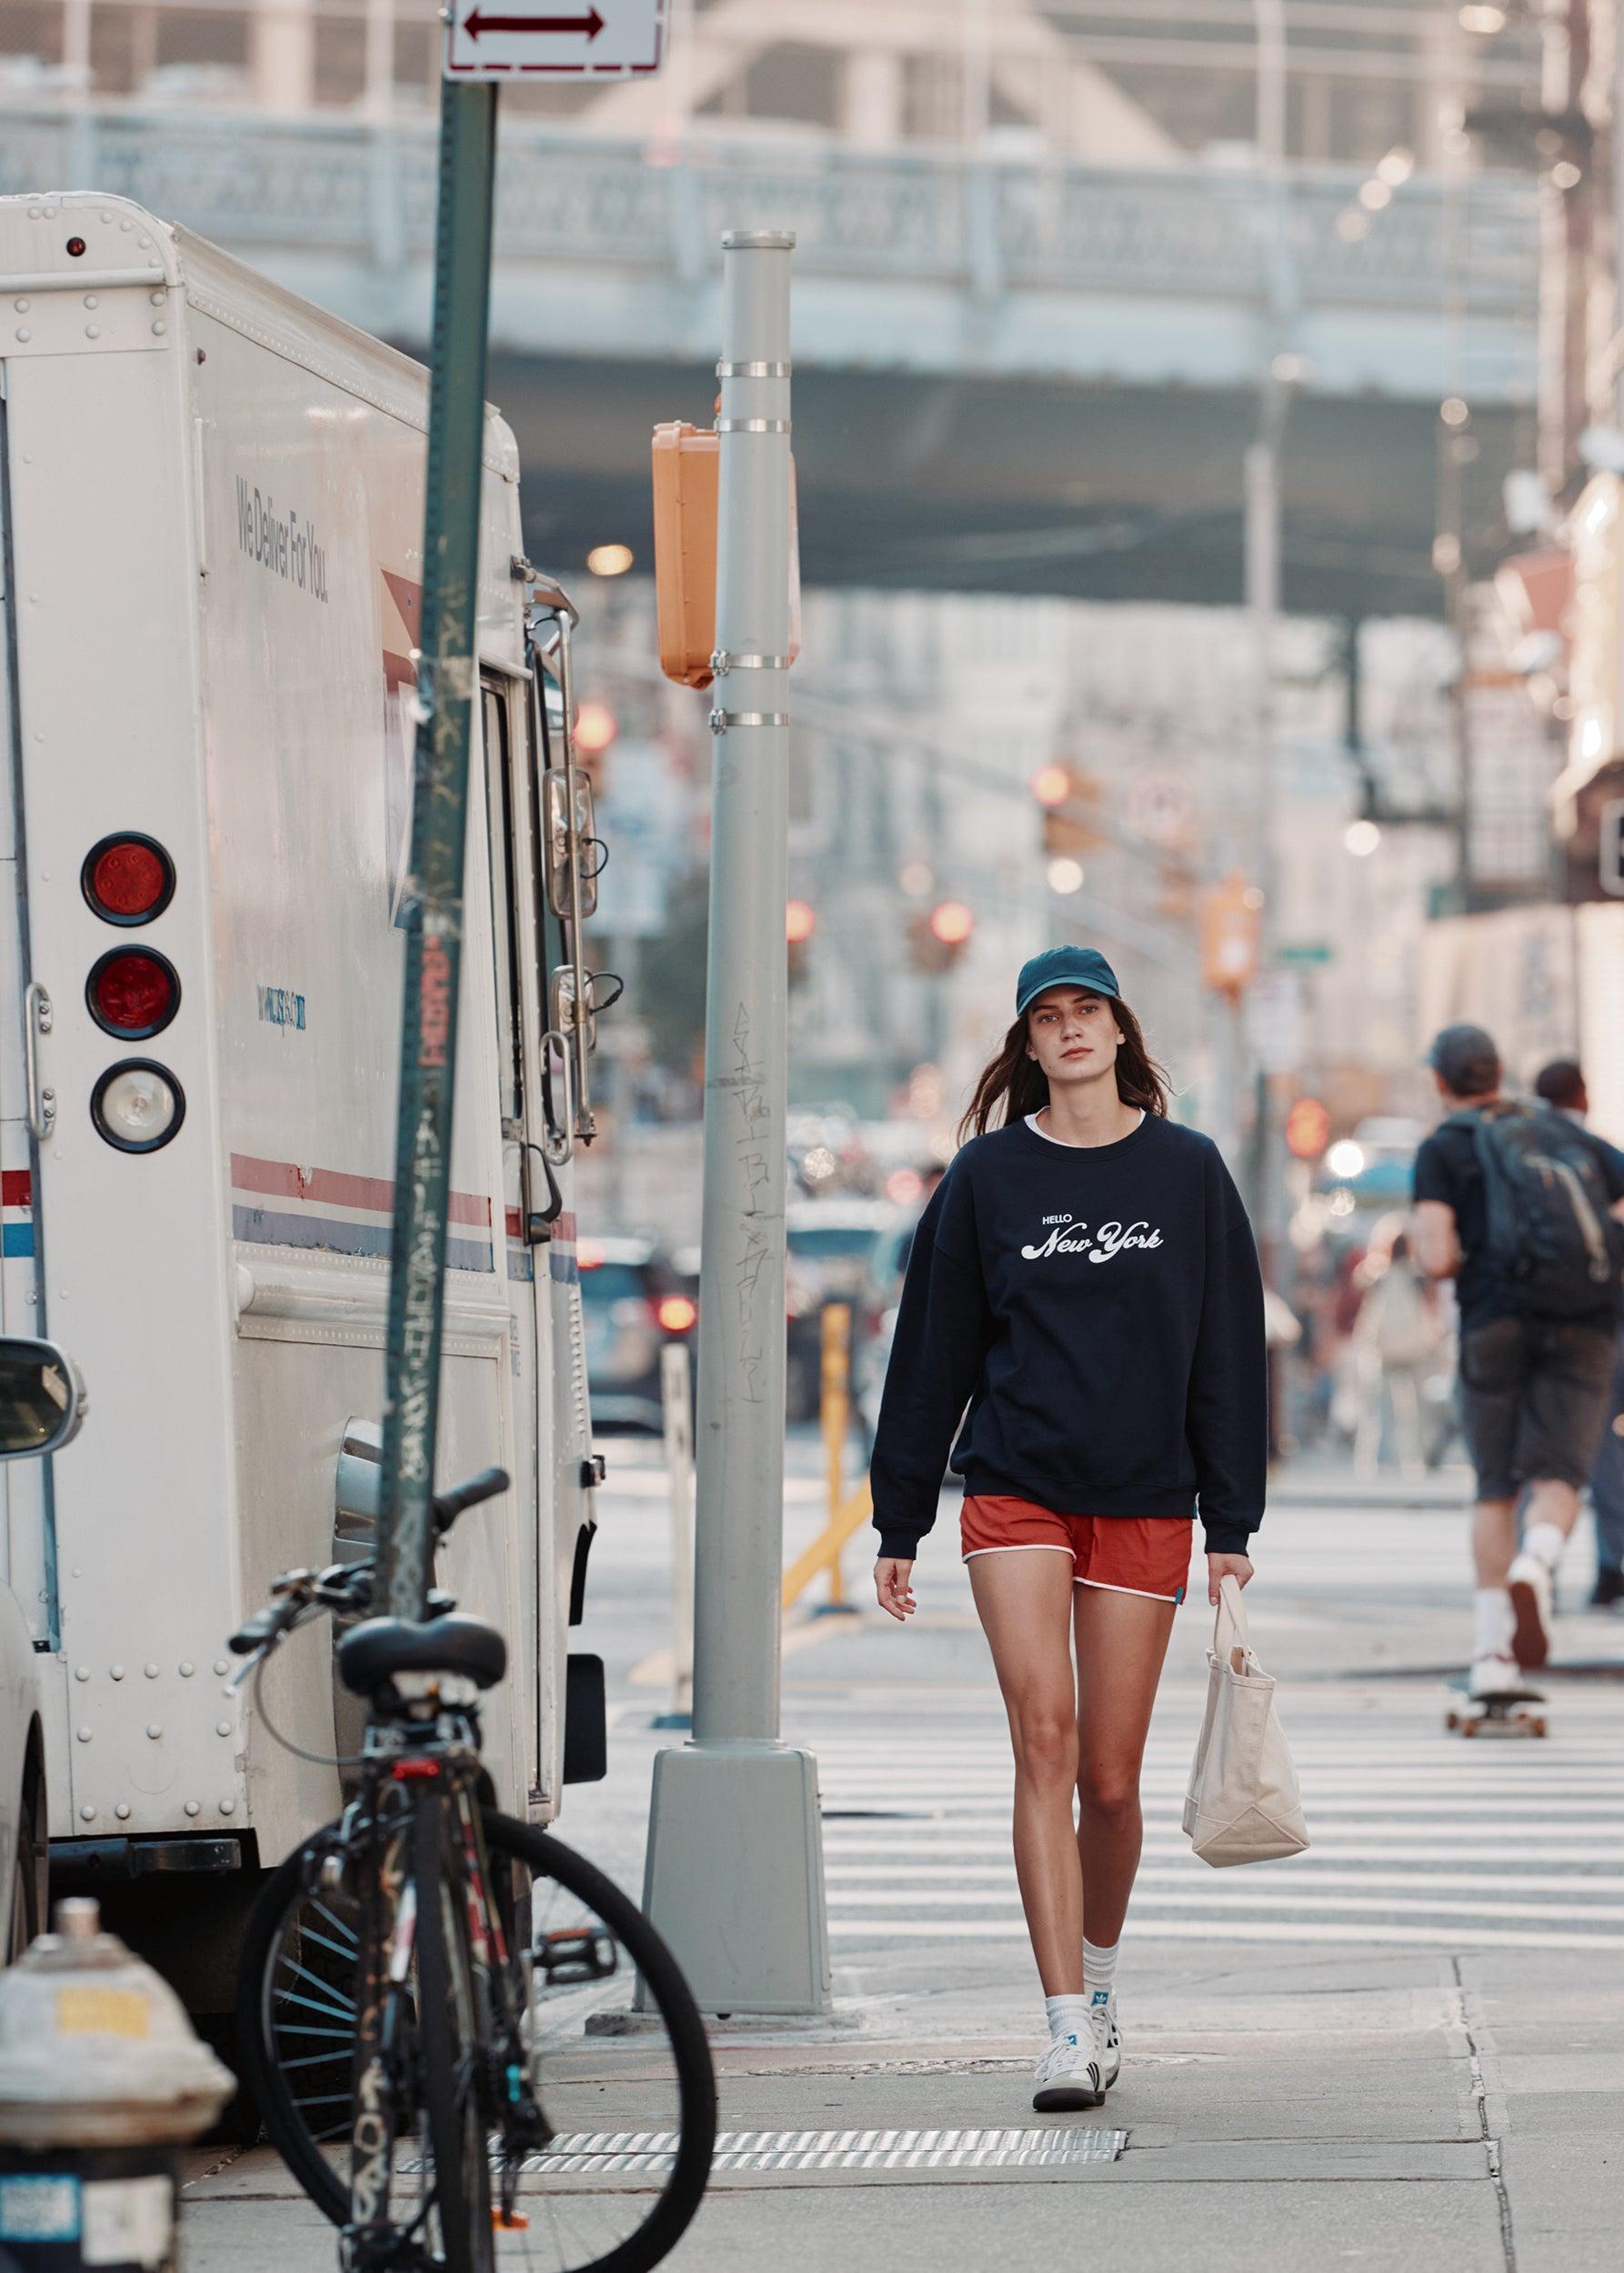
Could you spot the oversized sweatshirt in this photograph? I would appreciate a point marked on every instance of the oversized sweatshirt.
(1087, 1321)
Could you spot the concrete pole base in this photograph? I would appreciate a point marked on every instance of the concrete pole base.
(733, 1877)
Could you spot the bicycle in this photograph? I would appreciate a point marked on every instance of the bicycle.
(410, 1987)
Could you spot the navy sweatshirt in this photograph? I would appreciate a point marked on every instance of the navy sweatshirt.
(1099, 1310)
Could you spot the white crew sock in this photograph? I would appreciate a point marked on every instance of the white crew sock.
(1547, 1541)
(1068, 2016)
(1496, 1624)
(1100, 1968)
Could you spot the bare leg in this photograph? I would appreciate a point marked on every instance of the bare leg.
(1121, 1641)
(1024, 1598)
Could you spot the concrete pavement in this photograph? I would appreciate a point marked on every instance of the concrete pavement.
(1403, 2047)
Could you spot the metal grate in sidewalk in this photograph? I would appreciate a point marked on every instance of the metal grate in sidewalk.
(608, 2152)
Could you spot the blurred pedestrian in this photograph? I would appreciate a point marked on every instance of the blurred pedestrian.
(1518, 1205)
(1562, 1085)
(1085, 1282)
(1396, 1339)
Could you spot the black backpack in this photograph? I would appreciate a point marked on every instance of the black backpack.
(1551, 1234)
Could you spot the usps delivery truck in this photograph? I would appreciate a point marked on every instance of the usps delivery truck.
(212, 500)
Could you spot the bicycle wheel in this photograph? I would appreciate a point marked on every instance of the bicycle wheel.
(629, 2094)
(451, 2047)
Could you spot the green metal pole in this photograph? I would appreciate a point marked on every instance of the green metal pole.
(447, 680)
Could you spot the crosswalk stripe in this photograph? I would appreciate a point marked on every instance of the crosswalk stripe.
(1333, 1846)
(1223, 1895)
(1001, 1880)
(1283, 1930)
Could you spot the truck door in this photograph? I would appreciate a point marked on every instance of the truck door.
(530, 1202)
(27, 1526)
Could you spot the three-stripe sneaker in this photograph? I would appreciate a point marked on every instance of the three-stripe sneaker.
(1107, 2044)
(1068, 2075)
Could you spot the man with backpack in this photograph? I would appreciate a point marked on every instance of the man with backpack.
(1521, 1207)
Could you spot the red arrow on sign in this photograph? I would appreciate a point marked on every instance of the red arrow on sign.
(589, 26)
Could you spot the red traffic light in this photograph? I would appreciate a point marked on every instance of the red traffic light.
(951, 922)
(1308, 1128)
(596, 729)
(800, 921)
(1052, 784)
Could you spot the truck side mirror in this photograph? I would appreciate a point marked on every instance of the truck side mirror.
(42, 1398)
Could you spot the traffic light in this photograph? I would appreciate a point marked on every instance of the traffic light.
(800, 921)
(1231, 935)
(596, 729)
(938, 936)
(1308, 1128)
(1071, 798)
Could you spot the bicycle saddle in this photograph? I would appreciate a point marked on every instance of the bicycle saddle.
(371, 1652)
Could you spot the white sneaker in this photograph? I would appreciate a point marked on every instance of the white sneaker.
(1107, 2044)
(1068, 2075)
(1529, 1584)
(1494, 1676)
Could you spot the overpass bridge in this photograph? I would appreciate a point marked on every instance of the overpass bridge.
(1011, 374)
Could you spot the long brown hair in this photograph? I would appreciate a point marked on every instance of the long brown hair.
(1018, 1082)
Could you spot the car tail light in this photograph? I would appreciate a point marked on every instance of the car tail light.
(127, 879)
(133, 991)
(137, 1105)
(589, 1256)
(676, 1313)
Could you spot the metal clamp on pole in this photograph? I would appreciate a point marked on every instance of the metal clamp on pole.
(724, 721)
(721, 662)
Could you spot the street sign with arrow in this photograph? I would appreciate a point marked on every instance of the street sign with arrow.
(592, 39)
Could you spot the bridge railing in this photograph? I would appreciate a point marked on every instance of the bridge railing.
(345, 186)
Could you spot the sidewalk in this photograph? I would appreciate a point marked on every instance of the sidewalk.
(1405, 2048)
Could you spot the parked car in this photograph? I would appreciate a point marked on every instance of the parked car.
(633, 1302)
(41, 1404)
(875, 1319)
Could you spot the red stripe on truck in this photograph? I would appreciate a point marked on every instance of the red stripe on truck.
(374, 1194)
(17, 1189)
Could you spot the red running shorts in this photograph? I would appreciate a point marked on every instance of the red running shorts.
(1147, 1555)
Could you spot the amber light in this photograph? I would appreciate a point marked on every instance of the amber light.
(676, 1313)
(131, 991)
(128, 879)
(952, 922)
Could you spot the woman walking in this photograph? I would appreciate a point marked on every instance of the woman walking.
(1085, 1281)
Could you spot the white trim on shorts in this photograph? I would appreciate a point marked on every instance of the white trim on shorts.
(1143, 1593)
(1023, 1547)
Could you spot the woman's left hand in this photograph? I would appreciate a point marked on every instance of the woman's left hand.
(1236, 1567)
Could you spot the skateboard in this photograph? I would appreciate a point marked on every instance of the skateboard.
(1504, 1716)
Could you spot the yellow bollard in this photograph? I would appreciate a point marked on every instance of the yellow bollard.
(834, 1412)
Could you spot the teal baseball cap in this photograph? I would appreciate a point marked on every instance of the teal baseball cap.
(1064, 966)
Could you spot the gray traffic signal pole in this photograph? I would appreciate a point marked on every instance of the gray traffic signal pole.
(733, 1877)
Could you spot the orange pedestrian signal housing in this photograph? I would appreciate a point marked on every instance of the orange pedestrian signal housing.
(686, 467)
(686, 477)
(1308, 1128)
(1231, 935)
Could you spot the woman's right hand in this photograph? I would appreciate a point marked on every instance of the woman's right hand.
(891, 1585)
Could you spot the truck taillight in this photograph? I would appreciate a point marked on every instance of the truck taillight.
(128, 879)
(137, 1105)
(133, 991)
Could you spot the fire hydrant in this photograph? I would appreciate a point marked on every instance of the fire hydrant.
(101, 2082)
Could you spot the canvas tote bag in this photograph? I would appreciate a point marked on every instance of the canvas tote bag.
(1243, 1805)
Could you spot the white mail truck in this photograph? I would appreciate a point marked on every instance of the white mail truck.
(210, 495)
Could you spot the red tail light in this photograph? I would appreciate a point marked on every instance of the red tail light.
(133, 992)
(128, 879)
(676, 1313)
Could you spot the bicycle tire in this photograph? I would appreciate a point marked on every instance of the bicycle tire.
(448, 2043)
(546, 1858)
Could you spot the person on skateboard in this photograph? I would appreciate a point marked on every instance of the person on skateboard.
(1521, 1207)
